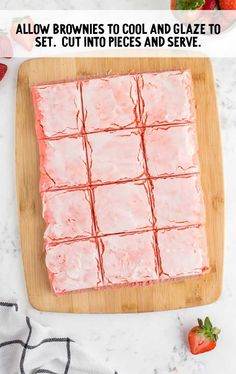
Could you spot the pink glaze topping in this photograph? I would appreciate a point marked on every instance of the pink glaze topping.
(120, 180)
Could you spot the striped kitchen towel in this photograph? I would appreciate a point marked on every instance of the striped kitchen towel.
(26, 347)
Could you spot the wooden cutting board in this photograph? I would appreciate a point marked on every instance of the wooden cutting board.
(175, 294)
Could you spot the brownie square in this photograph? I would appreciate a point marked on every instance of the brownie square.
(122, 207)
(116, 156)
(114, 103)
(73, 266)
(171, 150)
(178, 201)
(57, 109)
(129, 258)
(62, 163)
(183, 251)
(167, 97)
(67, 215)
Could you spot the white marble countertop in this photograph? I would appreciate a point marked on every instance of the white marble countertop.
(152, 343)
(85, 4)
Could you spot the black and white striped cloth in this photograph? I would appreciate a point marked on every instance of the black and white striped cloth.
(26, 347)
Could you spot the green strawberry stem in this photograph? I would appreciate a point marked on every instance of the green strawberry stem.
(189, 4)
(206, 329)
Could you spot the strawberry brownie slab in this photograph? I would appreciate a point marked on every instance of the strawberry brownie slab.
(73, 264)
(171, 150)
(178, 201)
(129, 258)
(120, 180)
(166, 97)
(122, 207)
(67, 215)
(116, 156)
(183, 251)
(62, 163)
(109, 103)
(57, 108)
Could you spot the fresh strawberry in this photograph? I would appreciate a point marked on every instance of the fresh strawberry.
(210, 5)
(3, 70)
(26, 40)
(227, 4)
(5, 45)
(203, 338)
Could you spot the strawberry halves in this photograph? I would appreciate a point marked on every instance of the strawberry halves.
(3, 70)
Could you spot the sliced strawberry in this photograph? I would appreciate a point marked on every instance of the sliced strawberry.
(203, 338)
(26, 41)
(3, 70)
(5, 45)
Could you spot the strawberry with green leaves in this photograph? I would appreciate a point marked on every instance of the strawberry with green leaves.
(203, 338)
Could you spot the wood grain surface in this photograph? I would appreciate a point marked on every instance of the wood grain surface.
(173, 294)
